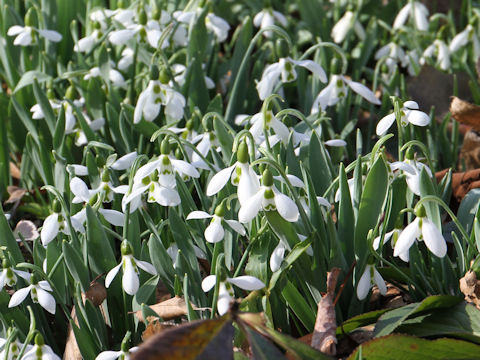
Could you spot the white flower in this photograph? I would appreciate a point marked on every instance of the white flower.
(267, 17)
(463, 38)
(369, 278)
(267, 121)
(54, 223)
(268, 198)
(8, 276)
(284, 70)
(391, 235)
(130, 281)
(124, 162)
(439, 49)
(213, 23)
(337, 88)
(424, 229)
(215, 231)
(419, 12)
(25, 35)
(277, 256)
(87, 43)
(409, 113)
(126, 59)
(115, 77)
(225, 291)
(343, 26)
(13, 349)
(112, 355)
(208, 142)
(413, 179)
(39, 292)
(40, 351)
(240, 174)
(150, 100)
(37, 112)
(172, 251)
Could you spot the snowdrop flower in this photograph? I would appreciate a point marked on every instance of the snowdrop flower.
(105, 190)
(123, 354)
(115, 77)
(394, 55)
(337, 88)
(267, 17)
(215, 231)
(39, 292)
(393, 236)
(154, 96)
(343, 26)
(13, 349)
(369, 278)
(40, 351)
(266, 120)
(225, 291)
(8, 276)
(172, 251)
(441, 51)
(422, 228)
(127, 59)
(213, 23)
(25, 35)
(55, 222)
(37, 112)
(268, 198)
(240, 174)
(130, 281)
(463, 38)
(208, 142)
(419, 12)
(179, 71)
(284, 71)
(413, 177)
(409, 113)
(124, 162)
(87, 43)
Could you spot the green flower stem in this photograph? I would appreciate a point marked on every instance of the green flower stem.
(324, 44)
(422, 147)
(31, 333)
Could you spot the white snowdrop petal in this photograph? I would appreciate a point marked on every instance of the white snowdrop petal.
(214, 232)
(224, 298)
(235, 225)
(111, 275)
(108, 355)
(386, 238)
(247, 282)
(80, 189)
(15, 30)
(248, 184)
(277, 257)
(209, 282)
(433, 238)
(402, 166)
(251, 207)
(23, 39)
(363, 286)
(324, 202)
(315, 68)
(198, 215)
(219, 180)
(19, 296)
(51, 35)
(146, 267)
(46, 300)
(167, 197)
(185, 168)
(364, 92)
(418, 118)
(385, 123)
(125, 161)
(114, 217)
(49, 229)
(402, 16)
(336, 142)
(380, 282)
(286, 207)
(44, 284)
(407, 237)
(410, 104)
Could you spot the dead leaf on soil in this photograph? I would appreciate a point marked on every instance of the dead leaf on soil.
(169, 309)
(465, 112)
(154, 327)
(470, 287)
(462, 182)
(15, 171)
(27, 229)
(16, 194)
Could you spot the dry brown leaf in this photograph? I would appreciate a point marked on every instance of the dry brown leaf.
(154, 327)
(16, 194)
(470, 287)
(96, 293)
(72, 352)
(324, 338)
(469, 157)
(14, 171)
(462, 182)
(168, 309)
(27, 229)
(465, 112)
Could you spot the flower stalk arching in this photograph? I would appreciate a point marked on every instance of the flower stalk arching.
(236, 142)
(330, 45)
(422, 147)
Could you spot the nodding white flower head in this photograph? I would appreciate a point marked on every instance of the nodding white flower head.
(369, 278)
(413, 178)
(13, 349)
(123, 353)
(439, 50)
(225, 291)
(276, 258)
(40, 351)
(215, 231)
(284, 71)
(469, 35)
(265, 120)
(179, 73)
(173, 250)
(154, 96)
(414, 9)
(409, 114)
(8, 275)
(114, 76)
(393, 236)
(130, 265)
(25, 35)
(39, 292)
(213, 23)
(268, 17)
(240, 174)
(344, 25)
(56, 222)
(337, 88)
(268, 198)
(422, 228)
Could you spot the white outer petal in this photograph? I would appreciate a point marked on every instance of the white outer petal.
(251, 207)
(336, 143)
(379, 281)
(247, 282)
(248, 184)
(433, 238)
(385, 123)
(402, 16)
(198, 215)
(286, 207)
(19, 296)
(130, 282)
(219, 180)
(125, 161)
(209, 282)
(315, 68)
(111, 275)
(80, 189)
(214, 232)
(51, 35)
(363, 91)
(184, 167)
(146, 267)
(407, 237)
(108, 355)
(277, 257)
(224, 298)
(46, 300)
(363, 286)
(49, 229)
(114, 217)
(418, 118)
(235, 225)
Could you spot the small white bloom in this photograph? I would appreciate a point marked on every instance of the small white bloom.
(369, 278)
(40, 351)
(268, 17)
(225, 291)
(409, 113)
(8, 276)
(213, 23)
(439, 49)
(179, 72)
(25, 35)
(464, 38)
(343, 26)
(54, 223)
(130, 265)
(422, 228)
(337, 88)
(419, 12)
(112, 355)
(115, 77)
(39, 292)
(267, 121)
(284, 71)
